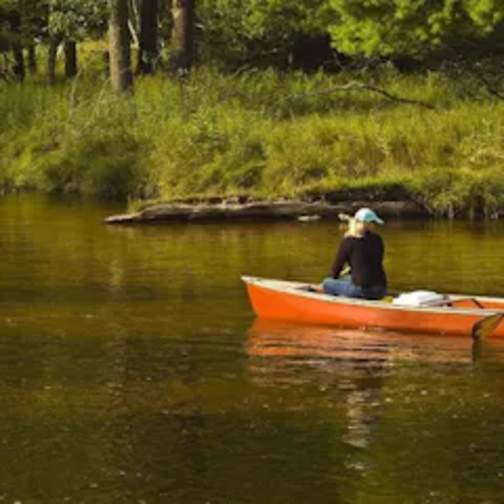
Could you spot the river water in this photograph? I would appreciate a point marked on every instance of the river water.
(132, 370)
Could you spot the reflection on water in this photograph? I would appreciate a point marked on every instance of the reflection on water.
(131, 369)
(357, 349)
(361, 359)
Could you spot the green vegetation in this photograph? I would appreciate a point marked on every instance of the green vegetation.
(406, 27)
(263, 98)
(260, 134)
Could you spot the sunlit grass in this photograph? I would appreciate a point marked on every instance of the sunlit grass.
(263, 134)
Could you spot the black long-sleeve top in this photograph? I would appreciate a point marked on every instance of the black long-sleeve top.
(365, 257)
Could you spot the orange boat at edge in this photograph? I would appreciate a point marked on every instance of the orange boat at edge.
(293, 301)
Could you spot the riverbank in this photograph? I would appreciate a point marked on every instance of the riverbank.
(262, 136)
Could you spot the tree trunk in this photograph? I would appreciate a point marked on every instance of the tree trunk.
(19, 63)
(148, 50)
(70, 58)
(134, 7)
(182, 40)
(32, 59)
(119, 43)
(106, 64)
(52, 54)
(18, 68)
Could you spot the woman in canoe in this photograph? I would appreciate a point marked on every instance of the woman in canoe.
(362, 249)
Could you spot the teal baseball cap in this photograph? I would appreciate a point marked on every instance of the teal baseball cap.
(367, 215)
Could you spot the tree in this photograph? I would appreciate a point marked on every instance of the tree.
(32, 58)
(52, 53)
(70, 58)
(120, 55)
(411, 27)
(148, 43)
(182, 39)
(11, 35)
(243, 32)
(71, 21)
(19, 70)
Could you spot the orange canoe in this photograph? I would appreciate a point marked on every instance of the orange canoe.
(293, 301)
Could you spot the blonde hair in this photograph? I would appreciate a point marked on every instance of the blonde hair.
(356, 229)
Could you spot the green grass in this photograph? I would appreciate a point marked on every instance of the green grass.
(261, 134)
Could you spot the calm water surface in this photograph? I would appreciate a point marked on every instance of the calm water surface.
(132, 370)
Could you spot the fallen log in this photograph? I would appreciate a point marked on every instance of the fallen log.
(285, 209)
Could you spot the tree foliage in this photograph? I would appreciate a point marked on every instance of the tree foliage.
(68, 19)
(76, 19)
(269, 32)
(252, 29)
(411, 27)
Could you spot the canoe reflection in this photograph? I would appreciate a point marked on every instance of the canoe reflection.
(352, 368)
(267, 338)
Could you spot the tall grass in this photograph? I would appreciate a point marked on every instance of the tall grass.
(260, 134)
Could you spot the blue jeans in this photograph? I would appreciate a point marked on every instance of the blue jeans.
(346, 288)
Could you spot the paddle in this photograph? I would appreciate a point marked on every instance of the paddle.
(486, 326)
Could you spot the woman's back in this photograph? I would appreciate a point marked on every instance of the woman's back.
(365, 257)
(363, 250)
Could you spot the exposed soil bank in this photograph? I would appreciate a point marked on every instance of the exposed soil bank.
(282, 209)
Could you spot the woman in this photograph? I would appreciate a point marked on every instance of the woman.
(363, 250)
